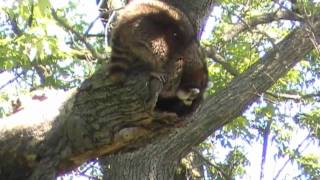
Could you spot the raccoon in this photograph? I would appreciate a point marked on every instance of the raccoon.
(147, 34)
(184, 97)
(152, 36)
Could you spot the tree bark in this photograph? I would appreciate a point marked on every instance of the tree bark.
(146, 163)
(221, 108)
(100, 118)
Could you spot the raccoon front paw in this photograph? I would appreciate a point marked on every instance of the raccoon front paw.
(162, 77)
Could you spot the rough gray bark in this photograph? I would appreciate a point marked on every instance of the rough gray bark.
(230, 102)
(218, 110)
(147, 163)
(103, 119)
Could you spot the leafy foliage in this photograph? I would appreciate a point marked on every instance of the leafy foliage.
(280, 113)
(31, 40)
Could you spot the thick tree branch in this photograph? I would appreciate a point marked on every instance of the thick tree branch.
(230, 102)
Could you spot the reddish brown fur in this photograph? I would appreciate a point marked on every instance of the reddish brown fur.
(195, 70)
(147, 34)
(155, 37)
(194, 75)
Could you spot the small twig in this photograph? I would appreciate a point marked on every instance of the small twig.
(94, 35)
(288, 160)
(12, 80)
(78, 35)
(314, 38)
(31, 16)
(91, 25)
(105, 14)
(109, 11)
(14, 25)
(269, 38)
(209, 163)
(89, 166)
(211, 53)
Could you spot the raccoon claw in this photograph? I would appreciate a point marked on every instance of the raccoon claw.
(160, 76)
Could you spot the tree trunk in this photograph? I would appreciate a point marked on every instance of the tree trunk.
(157, 161)
(148, 163)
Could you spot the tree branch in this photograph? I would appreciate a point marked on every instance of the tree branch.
(209, 163)
(294, 97)
(241, 92)
(12, 80)
(14, 25)
(90, 26)
(78, 35)
(211, 53)
(260, 19)
(266, 133)
(297, 149)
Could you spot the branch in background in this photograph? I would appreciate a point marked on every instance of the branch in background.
(12, 80)
(261, 19)
(31, 16)
(314, 37)
(269, 38)
(294, 97)
(289, 158)
(82, 38)
(91, 25)
(105, 14)
(41, 71)
(108, 18)
(94, 35)
(210, 164)
(89, 166)
(266, 133)
(14, 25)
(211, 53)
